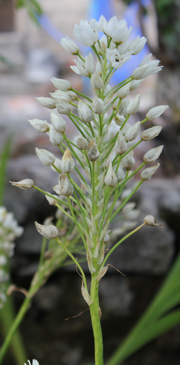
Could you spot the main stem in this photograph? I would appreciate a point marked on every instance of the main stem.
(96, 323)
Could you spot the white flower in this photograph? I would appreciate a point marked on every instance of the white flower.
(128, 161)
(110, 178)
(152, 155)
(59, 96)
(84, 68)
(96, 81)
(124, 91)
(151, 133)
(63, 107)
(137, 45)
(40, 125)
(67, 163)
(34, 362)
(87, 32)
(98, 105)
(69, 46)
(135, 84)
(65, 187)
(63, 85)
(146, 174)
(54, 137)
(134, 105)
(115, 59)
(47, 158)
(156, 112)
(25, 184)
(47, 102)
(146, 69)
(82, 143)
(58, 122)
(85, 112)
(132, 132)
(48, 232)
(92, 151)
(121, 32)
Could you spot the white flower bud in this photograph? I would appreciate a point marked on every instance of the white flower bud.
(25, 184)
(50, 200)
(67, 163)
(132, 132)
(93, 152)
(128, 161)
(138, 48)
(72, 95)
(63, 107)
(121, 145)
(58, 122)
(85, 112)
(110, 178)
(65, 187)
(146, 174)
(98, 68)
(47, 158)
(156, 112)
(128, 207)
(134, 105)
(151, 133)
(119, 119)
(123, 107)
(59, 96)
(49, 232)
(149, 220)
(82, 143)
(69, 46)
(98, 106)
(54, 137)
(120, 174)
(57, 189)
(96, 81)
(135, 84)
(124, 91)
(40, 125)
(115, 104)
(134, 214)
(63, 85)
(57, 163)
(152, 155)
(47, 102)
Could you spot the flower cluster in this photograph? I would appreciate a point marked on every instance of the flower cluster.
(103, 162)
(9, 230)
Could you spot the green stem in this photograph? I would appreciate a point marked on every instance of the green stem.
(96, 323)
(84, 96)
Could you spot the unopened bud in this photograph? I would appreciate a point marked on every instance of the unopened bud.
(149, 220)
(40, 125)
(124, 91)
(134, 105)
(121, 145)
(51, 200)
(128, 207)
(58, 122)
(133, 214)
(120, 174)
(86, 295)
(54, 137)
(85, 112)
(110, 178)
(98, 106)
(82, 143)
(119, 119)
(132, 132)
(152, 155)
(128, 161)
(67, 163)
(93, 152)
(47, 158)
(96, 81)
(49, 232)
(151, 133)
(61, 84)
(25, 184)
(47, 102)
(65, 187)
(156, 112)
(135, 84)
(146, 174)
(63, 107)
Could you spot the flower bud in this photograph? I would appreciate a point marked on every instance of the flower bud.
(47, 102)
(93, 152)
(65, 187)
(49, 232)
(149, 220)
(132, 132)
(57, 163)
(101, 273)
(40, 125)
(72, 95)
(133, 214)
(151, 133)
(50, 200)
(61, 84)
(124, 91)
(63, 107)
(58, 122)
(139, 46)
(25, 184)
(67, 163)
(54, 137)
(119, 119)
(156, 112)
(110, 178)
(82, 143)
(85, 112)
(152, 155)
(96, 81)
(128, 161)
(146, 174)
(69, 46)
(134, 105)
(98, 106)
(86, 295)
(47, 158)
(123, 107)
(135, 84)
(121, 145)
(128, 207)
(98, 68)
(120, 174)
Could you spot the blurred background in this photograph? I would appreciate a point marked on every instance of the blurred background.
(30, 54)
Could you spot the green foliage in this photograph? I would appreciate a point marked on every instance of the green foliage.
(32, 7)
(3, 166)
(161, 316)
